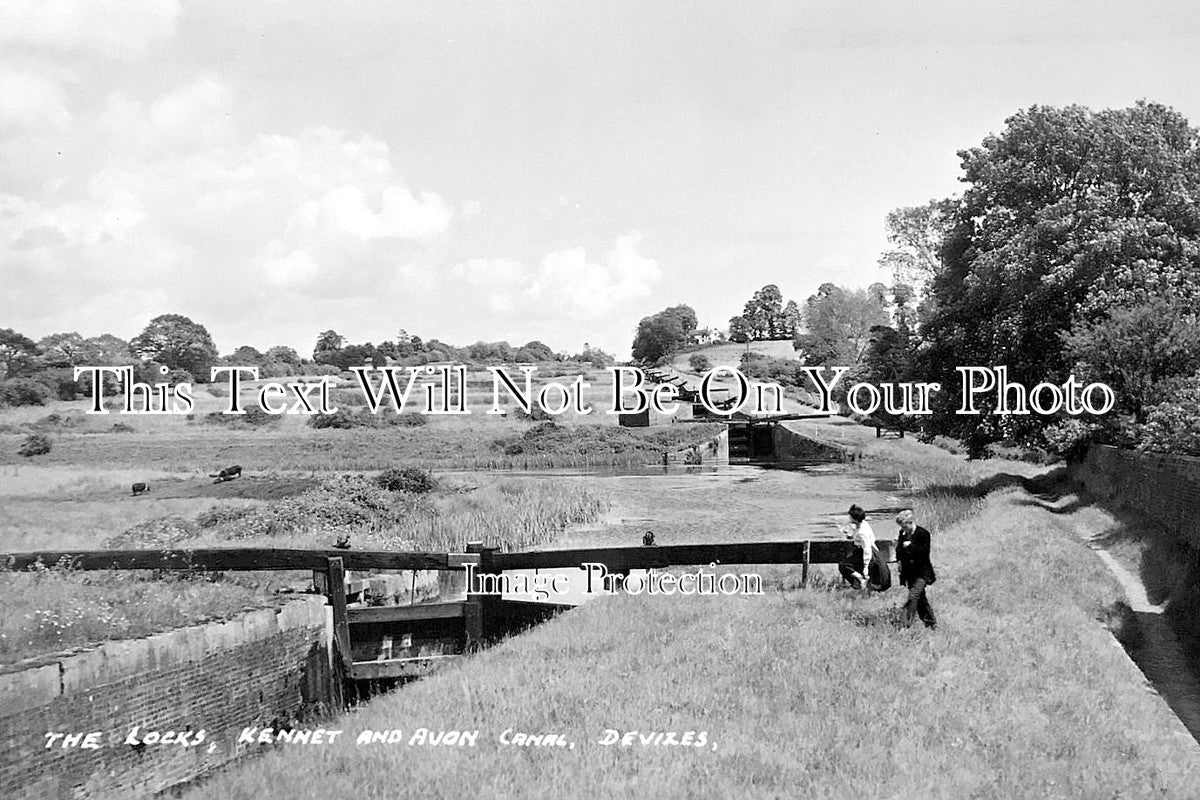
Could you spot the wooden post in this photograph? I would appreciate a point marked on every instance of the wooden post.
(336, 576)
(480, 610)
(805, 554)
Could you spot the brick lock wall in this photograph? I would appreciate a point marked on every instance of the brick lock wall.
(265, 666)
(1164, 487)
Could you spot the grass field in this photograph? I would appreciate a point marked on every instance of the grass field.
(1020, 692)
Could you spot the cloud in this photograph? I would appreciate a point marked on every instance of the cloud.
(566, 296)
(595, 290)
(111, 29)
(31, 102)
(176, 198)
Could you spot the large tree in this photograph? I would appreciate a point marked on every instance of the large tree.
(178, 343)
(764, 316)
(661, 334)
(18, 354)
(1068, 213)
(838, 324)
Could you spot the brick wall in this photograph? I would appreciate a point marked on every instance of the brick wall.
(267, 665)
(1164, 487)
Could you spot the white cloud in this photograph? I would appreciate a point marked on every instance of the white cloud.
(111, 29)
(566, 297)
(594, 290)
(31, 102)
(186, 204)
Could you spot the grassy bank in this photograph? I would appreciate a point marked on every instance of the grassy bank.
(1020, 693)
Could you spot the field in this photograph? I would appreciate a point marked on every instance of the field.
(814, 692)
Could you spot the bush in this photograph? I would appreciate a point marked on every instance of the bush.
(1069, 438)
(35, 445)
(23, 392)
(254, 417)
(340, 419)
(406, 479)
(1173, 426)
(537, 413)
(699, 363)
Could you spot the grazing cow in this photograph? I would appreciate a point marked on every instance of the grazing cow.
(140, 488)
(227, 474)
(648, 539)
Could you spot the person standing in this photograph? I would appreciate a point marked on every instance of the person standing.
(855, 568)
(916, 570)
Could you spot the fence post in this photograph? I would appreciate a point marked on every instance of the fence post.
(336, 576)
(805, 559)
(479, 614)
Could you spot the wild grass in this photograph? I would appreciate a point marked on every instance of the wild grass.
(1020, 693)
(53, 608)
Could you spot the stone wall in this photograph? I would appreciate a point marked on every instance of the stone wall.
(1166, 488)
(265, 666)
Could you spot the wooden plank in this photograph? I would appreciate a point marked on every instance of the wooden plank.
(615, 558)
(228, 559)
(415, 613)
(337, 599)
(399, 667)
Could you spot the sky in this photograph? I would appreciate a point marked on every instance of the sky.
(507, 171)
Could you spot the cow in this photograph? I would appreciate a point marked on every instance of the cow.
(227, 474)
(140, 488)
(648, 539)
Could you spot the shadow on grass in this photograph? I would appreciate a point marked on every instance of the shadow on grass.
(1162, 637)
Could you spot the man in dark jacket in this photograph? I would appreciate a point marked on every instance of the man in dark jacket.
(916, 570)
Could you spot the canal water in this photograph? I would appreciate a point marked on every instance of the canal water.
(714, 504)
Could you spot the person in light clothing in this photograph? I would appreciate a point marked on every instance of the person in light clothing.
(855, 568)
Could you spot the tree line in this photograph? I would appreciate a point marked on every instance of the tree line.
(33, 372)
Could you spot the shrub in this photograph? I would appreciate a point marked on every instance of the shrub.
(23, 392)
(537, 414)
(35, 445)
(340, 419)
(255, 416)
(406, 479)
(699, 363)
(122, 427)
(1173, 426)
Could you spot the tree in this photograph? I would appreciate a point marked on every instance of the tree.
(534, 351)
(327, 342)
(1142, 352)
(246, 356)
(18, 354)
(765, 317)
(178, 343)
(106, 350)
(916, 233)
(662, 334)
(283, 355)
(739, 330)
(1068, 214)
(838, 326)
(62, 349)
